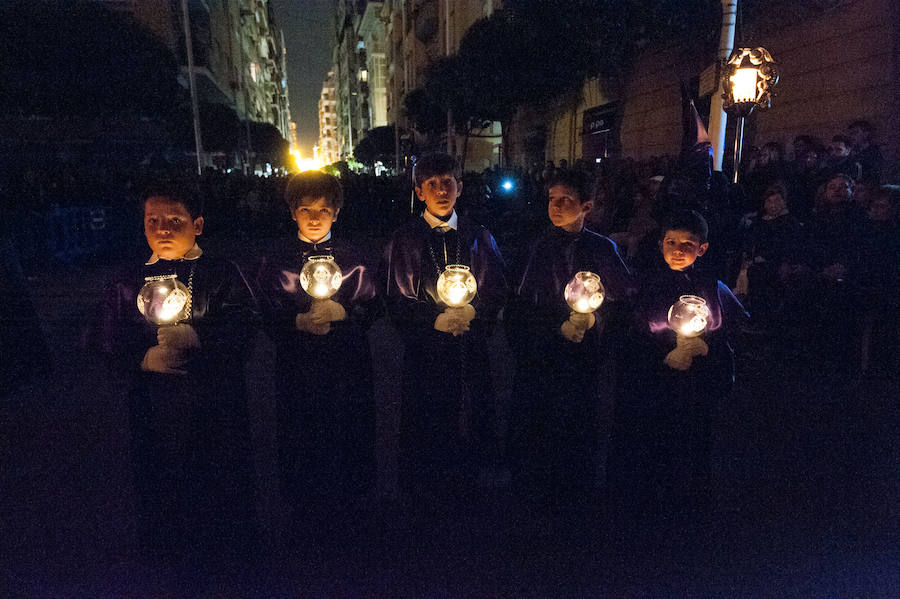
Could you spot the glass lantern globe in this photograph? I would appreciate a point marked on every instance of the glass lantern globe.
(584, 293)
(321, 277)
(456, 286)
(164, 300)
(689, 315)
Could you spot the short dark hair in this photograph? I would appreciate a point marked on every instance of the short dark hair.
(575, 179)
(891, 192)
(435, 165)
(177, 193)
(843, 139)
(850, 180)
(776, 188)
(315, 185)
(686, 220)
(864, 126)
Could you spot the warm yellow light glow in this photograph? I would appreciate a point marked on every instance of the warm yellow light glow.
(584, 293)
(744, 84)
(163, 300)
(456, 286)
(689, 315)
(321, 277)
(305, 164)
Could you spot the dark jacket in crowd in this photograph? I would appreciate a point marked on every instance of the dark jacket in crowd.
(22, 345)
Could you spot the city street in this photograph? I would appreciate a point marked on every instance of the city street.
(806, 485)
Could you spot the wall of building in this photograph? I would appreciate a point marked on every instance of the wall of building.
(837, 67)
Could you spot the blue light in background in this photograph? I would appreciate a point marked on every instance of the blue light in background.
(507, 185)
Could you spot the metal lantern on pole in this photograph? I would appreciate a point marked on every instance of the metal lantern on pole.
(748, 82)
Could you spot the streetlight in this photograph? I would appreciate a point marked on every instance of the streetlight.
(749, 80)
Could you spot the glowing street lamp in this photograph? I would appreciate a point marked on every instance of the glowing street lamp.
(164, 300)
(688, 317)
(748, 82)
(321, 277)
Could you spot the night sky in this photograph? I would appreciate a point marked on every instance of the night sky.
(307, 35)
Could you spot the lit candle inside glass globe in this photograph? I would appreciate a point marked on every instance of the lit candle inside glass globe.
(689, 315)
(163, 300)
(456, 286)
(585, 293)
(321, 277)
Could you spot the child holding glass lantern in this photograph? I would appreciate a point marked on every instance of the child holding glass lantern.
(181, 346)
(444, 289)
(558, 327)
(681, 365)
(318, 299)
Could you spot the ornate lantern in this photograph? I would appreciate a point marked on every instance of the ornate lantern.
(321, 277)
(688, 316)
(456, 286)
(584, 293)
(748, 80)
(164, 300)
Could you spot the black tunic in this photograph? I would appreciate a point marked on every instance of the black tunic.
(326, 412)
(563, 389)
(660, 452)
(190, 435)
(447, 411)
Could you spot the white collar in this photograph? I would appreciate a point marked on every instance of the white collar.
(435, 222)
(192, 254)
(303, 237)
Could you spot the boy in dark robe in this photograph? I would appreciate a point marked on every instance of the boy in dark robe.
(660, 456)
(323, 374)
(563, 398)
(447, 429)
(190, 435)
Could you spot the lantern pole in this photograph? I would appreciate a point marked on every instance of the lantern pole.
(718, 120)
(738, 142)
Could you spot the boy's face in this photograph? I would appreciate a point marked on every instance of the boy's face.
(681, 248)
(169, 228)
(565, 208)
(314, 218)
(439, 194)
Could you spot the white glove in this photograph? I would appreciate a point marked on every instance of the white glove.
(164, 359)
(325, 311)
(686, 349)
(574, 328)
(455, 320)
(304, 321)
(178, 336)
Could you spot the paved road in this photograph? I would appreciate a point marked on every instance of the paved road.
(806, 477)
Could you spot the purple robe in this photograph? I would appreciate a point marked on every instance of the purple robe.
(447, 406)
(325, 408)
